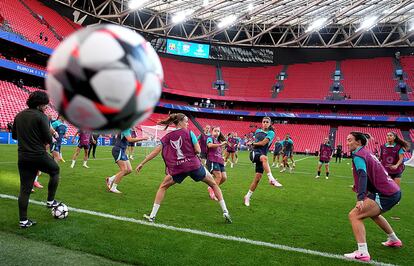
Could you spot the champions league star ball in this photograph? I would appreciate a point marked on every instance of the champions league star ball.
(61, 211)
(104, 77)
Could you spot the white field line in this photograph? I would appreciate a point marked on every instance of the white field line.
(204, 233)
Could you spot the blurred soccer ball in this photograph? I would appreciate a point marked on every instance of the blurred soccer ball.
(61, 211)
(104, 77)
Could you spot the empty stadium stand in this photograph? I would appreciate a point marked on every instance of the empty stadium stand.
(250, 81)
(22, 22)
(369, 79)
(308, 81)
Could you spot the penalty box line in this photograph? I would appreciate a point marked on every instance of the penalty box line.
(205, 233)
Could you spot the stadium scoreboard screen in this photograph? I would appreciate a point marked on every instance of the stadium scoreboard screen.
(188, 48)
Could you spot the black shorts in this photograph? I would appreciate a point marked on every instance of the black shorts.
(131, 144)
(276, 153)
(322, 161)
(83, 146)
(255, 158)
(203, 155)
(393, 176)
(197, 175)
(386, 202)
(231, 151)
(287, 154)
(213, 166)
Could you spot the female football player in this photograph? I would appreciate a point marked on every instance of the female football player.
(215, 161)
(392, 156)
(121, 159)
(325, 155)
(83, 144)
(180, 150)
(376, 194)
(263, 140)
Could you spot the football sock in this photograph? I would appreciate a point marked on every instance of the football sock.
(249, 194)
(154, 210)
(112, 178)
(223, 206)
(319, 173)
(363, 248)
(393, 237)
(270, 176)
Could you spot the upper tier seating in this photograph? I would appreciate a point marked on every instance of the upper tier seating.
(308, 81)
(250, 81)
(22, 22)
(369, 79)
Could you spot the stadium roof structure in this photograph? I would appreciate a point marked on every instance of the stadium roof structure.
(265, 23)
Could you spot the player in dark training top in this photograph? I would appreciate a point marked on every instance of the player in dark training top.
(325, 155)
(121, 159)
(263, 140)
(180, 151)
(287, 151)
(276, 152)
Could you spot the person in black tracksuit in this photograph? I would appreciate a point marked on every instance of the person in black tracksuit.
(93, 142)
(31, 130)
(338, 153)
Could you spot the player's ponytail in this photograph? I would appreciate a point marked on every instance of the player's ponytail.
(401, 142)
(172, 119)
(363, 137)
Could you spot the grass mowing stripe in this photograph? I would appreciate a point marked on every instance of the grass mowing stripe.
(203, 233)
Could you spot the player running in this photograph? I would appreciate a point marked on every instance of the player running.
(121, 159)
(276, 152)
(83, 144)
(287, 150)
(325, 155)
(61, 128)
(392, 156)
(179, 151)
(215, 161)
(202, 141)
(376, 194)
(230, 149)
(263, 140)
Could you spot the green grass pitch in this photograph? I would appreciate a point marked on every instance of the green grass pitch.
(307, 213)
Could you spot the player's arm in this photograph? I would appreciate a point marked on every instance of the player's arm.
(361, 169)
(149, 157)
(45, 130)
(130, 139)
(266, 140)
(196, 145)
(74, 137)
(210, 143)
(400, 160)
(14, 130)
